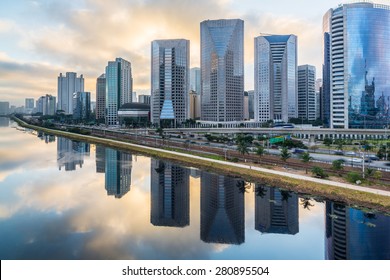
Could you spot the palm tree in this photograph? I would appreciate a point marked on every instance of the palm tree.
(260, 150)
(243, 148)
(261, 191)
(305, 158)
(337, 165)
(243, 186)
(328, 142)
(305, 202)
(285, 154)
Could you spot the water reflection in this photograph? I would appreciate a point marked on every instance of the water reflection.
(354, 235)
(170, 194)
(276, 211)
(118, 172)
(171, 212)
(222, 217)
(71, 153)
(4, 122)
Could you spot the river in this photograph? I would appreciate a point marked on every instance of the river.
(64, 199)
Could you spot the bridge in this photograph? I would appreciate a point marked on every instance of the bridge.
(307, 133)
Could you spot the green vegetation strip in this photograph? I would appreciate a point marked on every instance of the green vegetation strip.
(348, 196)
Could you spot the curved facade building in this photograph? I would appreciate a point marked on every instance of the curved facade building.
(357, 65)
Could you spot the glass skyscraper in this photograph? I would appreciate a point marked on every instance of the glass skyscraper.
(119, 88)
(276, 78)
(170, 80)
(222, 70)
(67, 85)
(357, 37)
(307, 93)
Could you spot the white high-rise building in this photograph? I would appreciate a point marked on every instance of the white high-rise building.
(276, 78)
(119, 88)
(307, 93)
(170, 81)
(67, 85)
(222, 70)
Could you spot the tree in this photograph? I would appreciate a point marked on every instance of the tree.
(328, 142)
(305, 202)
(338, 165)
(306, 158)
(261, 191)
(339, 144)
(243, 148)
(260, 150)
(377, 176)
(319, 172)
(285, 154)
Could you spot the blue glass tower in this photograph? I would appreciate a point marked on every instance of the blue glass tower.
(358, 38)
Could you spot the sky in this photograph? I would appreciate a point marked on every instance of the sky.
(41, 39)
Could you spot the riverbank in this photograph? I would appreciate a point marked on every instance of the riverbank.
(349, 194)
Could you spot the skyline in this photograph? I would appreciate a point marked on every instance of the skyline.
(41, 39)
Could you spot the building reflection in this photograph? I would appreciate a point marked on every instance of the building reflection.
(71, 153)
(276, 211)
(352, 234)
(46, 137)
(222, 217)
(118, 172)
(100, 159)
(4, 122)
(170, 194)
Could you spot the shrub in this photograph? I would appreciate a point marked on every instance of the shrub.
(319, 172)
(353, 177)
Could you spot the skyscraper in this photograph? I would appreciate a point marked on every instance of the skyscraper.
(119, 88)
(46, 105)
(81, 105)
(195, 80)
(101, 97)
(4, 108)
(67, 85)
(170, 194)
(357, 65)
(276, 78)
(306, 92)
(29, 105)
(251, 104)
(170, 81)
(222, 70)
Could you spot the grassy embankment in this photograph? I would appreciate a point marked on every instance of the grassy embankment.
(350, 197)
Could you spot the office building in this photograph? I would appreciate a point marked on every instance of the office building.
(251, 104)
(67, 85)
(306, 93)
(276, 211)
(134, 114)
(195, 80)
(46, 105)
(81, 105)
(222, 70)
(118, 172)
(143, 98)
(194, 105)
(170, 81)
(4, 108)
(222, 218)
(170, 194)
(357, 65)
(29, 105)
(101, 97)
(119, 86)
(276, 78)
(246, 105)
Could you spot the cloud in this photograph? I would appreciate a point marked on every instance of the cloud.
(81, 36)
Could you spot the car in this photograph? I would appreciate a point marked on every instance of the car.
(372, 157)
(350, 153)
(299, 151)
(340, 153)
(357, 160)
